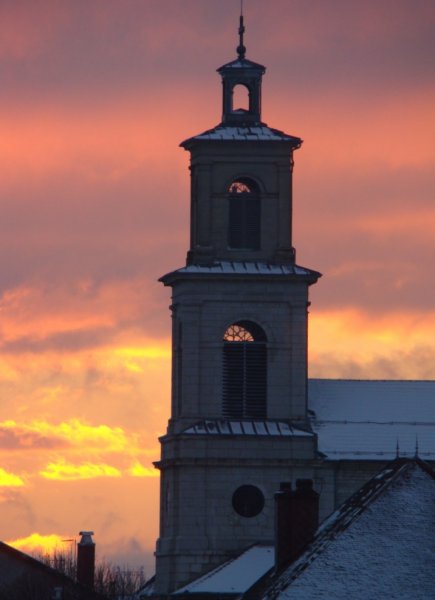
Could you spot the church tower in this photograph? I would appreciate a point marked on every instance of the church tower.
(238, 425)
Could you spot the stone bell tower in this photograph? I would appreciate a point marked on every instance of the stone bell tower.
(238, 425)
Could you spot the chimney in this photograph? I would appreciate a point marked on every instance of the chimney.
(296, 520)
(86, 559)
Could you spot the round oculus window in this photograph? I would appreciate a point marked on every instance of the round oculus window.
(248, 501)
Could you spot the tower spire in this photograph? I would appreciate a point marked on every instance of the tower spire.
(241, 50)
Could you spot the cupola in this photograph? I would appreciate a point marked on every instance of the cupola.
(241, 77)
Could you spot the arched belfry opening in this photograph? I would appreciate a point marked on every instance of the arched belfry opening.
(244, 215)
(241, 98)
(244, 371)
(247, 75)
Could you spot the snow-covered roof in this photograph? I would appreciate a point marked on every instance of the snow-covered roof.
(379, 544)
(235, 576)
(370, 419)
(227, 427)
(243, 268)
(256, 268)
(241, 63)
(245, 134)
(146, 590)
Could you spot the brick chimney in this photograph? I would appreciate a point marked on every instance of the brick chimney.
(86, 559)
(296, 520)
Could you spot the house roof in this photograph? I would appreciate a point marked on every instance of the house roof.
(17, 568)
(235, 576)
(357, 420)
(379, 544)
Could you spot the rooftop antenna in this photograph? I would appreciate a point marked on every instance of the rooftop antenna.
(241, 50)
(397, 448)
(416, 446)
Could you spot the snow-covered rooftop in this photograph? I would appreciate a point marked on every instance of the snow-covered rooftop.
(242, 63)
(244, 268)
(226, 427)
(369, 419)
(235, 576)
(378, 545)
(256, 268)
(245, 134)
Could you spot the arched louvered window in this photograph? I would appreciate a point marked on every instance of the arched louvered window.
(244, 371)
(244, 215)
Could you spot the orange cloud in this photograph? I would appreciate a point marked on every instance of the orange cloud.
(9, 479)
(162, 351)
(39, 311)
(52, 389)
(63, 471)
(138, 470)
(354, 343)
(83, 435)
(70, 435)
(132, 357)
(36, 543)
(79, 316)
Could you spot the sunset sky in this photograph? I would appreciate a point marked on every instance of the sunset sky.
(94, 200)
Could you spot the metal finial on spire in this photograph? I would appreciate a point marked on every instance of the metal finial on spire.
(241, 50)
